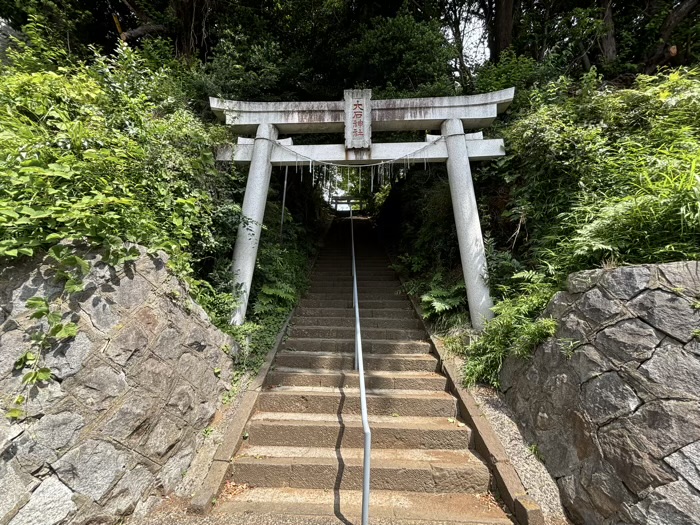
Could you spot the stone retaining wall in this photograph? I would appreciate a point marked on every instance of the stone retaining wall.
(613, 401)
(132, 393)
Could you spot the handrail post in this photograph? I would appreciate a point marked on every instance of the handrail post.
(359, 366)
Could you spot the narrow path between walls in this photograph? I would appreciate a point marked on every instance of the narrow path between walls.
(301, 459)
(303, 455)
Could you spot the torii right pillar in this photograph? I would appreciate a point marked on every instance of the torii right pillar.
(471, 242)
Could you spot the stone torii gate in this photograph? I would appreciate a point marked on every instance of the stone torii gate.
(358, 116)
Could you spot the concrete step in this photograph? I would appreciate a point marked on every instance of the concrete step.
(340, 281)
(346, 265)
(365, 322)
(367, 280)
(346, 262)
(398, 303)
(323, 400)
(347, 259)
(331, 430)
(411, 470)
(348, 311)
(347, 332)
(282, 376)
(362, 277)
(369, 346)
(398, 508)
(339, 286)
(346, 361)
(377, 295)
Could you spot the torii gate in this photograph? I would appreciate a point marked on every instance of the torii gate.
(358, 115)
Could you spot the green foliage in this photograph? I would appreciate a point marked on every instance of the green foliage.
(400, 55)
(100, 154)
(593, 175)
(515, 330)
(520, 72)
(624, 167)
(441, 299)
(57, 331)
(50, 333)
(535, 451)
(104, 154)
(243, 69)
(601, 175)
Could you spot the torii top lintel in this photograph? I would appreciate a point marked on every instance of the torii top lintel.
(475, 111)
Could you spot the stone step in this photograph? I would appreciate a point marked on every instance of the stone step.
(366, 277)
(349, 311)
(346, 273)
(346, 265)
(347, 259)
(282, 376)
(331, 430)
(397, 508)
(398, 303)
(378, 295)
(345, 281)
(345, 268)
(365, 322)
(340, 287)
(346, 262)
(411, 470)
(347, 332)
(346, 361)
(369, 346)
(320, 400)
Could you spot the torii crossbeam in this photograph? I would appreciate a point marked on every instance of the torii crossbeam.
(358, 116)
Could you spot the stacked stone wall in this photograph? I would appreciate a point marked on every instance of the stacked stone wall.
(133, 390)
(613, 401)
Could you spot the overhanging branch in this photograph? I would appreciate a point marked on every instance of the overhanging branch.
(146, 29)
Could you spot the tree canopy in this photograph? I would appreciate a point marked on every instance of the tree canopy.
(308, 49)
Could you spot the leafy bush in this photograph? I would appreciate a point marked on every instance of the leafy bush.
(624, 167)
(598, 175)
(402, 56)
(109, 151)
(98, 152)
(594, 175)
(515, 330)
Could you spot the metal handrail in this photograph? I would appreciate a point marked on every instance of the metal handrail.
(359, 366)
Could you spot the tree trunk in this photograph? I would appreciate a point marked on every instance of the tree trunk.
(503, 36)
(454, 13)
(665, 51)
(607, 41)
(487, 9)
(585, 61)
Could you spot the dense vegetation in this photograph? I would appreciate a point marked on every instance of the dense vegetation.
(594, 176)
(107, 138)
(96, 155)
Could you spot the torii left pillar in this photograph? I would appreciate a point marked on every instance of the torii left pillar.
(245, 252)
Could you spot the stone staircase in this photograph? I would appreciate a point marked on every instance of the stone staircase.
(303, 454)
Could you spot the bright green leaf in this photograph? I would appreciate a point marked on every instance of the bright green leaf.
(43, 374)
(14, 413)
(67, 331)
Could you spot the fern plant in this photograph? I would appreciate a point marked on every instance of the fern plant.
(275, 297)
(441, 298)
